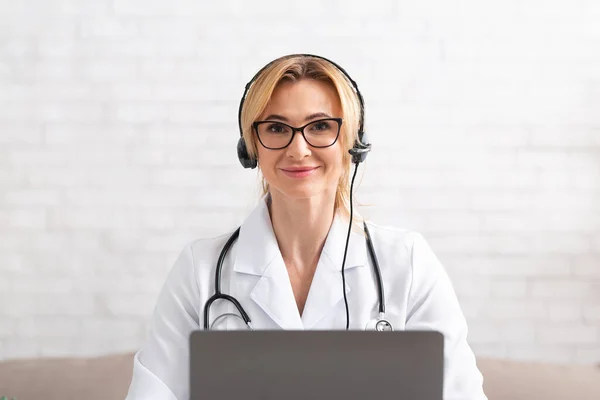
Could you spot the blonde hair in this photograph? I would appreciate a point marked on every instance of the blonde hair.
(293, 69)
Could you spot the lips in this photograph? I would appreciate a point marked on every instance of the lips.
(298, 172)
(298, 169)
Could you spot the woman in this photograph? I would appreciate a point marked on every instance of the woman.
(301, 120)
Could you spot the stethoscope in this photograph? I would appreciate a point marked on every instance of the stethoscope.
(377, 324)
(359, 152)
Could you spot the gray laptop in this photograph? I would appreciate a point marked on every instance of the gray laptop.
(302, 365)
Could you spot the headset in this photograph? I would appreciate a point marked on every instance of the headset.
(359, 153)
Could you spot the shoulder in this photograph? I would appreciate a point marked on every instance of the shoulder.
(207, 248)
(200, 252)
(405, 249)
(197, 261)
(395, 238)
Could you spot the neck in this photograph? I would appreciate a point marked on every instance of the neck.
(301, 227)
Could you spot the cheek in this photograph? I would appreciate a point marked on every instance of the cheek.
(264, 158)
(267, 163)
(335, 162)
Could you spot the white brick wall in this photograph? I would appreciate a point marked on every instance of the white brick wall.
(117, 146)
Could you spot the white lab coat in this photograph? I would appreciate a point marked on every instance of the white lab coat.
(418, 293)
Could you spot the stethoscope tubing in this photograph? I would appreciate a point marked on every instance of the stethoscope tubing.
(218, 273)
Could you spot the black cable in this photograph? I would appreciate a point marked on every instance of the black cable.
(346, 251)
(380, 292)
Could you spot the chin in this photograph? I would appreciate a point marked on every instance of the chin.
(302, 191)
(299, 193)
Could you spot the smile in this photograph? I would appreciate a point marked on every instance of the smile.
(299, 172)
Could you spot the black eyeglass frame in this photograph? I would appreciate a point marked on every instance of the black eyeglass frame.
(301, 130)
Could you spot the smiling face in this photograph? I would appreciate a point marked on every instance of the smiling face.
(300, 170)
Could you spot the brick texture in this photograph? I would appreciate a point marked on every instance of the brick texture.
(118, 126)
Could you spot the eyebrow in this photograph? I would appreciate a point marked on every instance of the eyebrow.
(309, 117)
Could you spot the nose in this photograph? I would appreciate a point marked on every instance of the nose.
(299, 148)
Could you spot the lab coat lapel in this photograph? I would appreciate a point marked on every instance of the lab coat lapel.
(273, 293)
(325, 293)
(259, 258)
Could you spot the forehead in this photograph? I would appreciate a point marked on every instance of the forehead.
(300, 98)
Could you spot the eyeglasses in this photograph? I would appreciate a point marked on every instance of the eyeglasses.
(275, 135)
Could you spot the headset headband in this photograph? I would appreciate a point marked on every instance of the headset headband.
(342, 70)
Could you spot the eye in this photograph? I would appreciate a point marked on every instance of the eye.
(321, 126)
(277, 128)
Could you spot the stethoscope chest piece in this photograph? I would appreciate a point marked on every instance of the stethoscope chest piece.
(383, 325)
(379, 324)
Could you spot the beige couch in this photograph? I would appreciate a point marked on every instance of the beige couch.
(107, 378)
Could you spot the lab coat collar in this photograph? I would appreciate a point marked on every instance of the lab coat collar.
(258, 254)
(336, 241)
(257, 244)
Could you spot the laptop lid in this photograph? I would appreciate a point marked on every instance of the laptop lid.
(301, 365)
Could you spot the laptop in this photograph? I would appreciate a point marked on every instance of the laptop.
(303, 365)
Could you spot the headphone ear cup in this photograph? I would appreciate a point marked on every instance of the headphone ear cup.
(364, 138)
(243, 156)
(360, 149)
